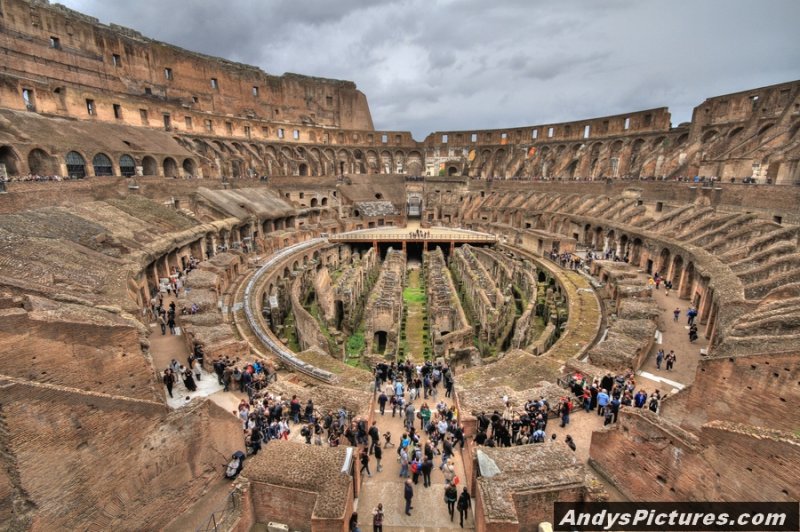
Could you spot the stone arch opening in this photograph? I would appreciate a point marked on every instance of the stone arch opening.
(573, 166)
(9, 158)
(303, 169)
(170, 167)
(149, 165)
(314, 202)
(611, 242)
(623, 247)
(677, 271)
(338, 314)
(764, 129)
(127, 166)
(735, 131)
(379, 342)
(76, 165)
(452, 170)
(102, 165)
(324, 202)
(663, 262)
(40, 163)
(636, 252)
(189, 166)
(685, 291)
(794, 130)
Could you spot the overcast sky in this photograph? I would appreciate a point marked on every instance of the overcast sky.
(428, 65)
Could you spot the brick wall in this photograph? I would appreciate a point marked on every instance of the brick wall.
(649, 460)
(105, 359)
(534, 507)
(82, 466)
(283, 505)
(758, 390)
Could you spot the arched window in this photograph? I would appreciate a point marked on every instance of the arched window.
(102, 165)
(76, 166)
(127, 166)
(170, 167)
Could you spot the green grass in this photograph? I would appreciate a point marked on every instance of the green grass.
(291, 334)
(414, 295)
(355, 344)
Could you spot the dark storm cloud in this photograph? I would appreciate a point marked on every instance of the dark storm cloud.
(429, 65)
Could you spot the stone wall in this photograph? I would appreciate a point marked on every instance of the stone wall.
(486, 303)
(281, 504)
(351, 288)
(66, 467)
(58, 343)
(649, 459)
(385, 303)
(756, 389)
(448, 322)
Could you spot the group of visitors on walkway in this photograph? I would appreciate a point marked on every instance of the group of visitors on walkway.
(609, 394)
(432, 432)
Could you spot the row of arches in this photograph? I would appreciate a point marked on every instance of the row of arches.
(237, 159)
(74, 164)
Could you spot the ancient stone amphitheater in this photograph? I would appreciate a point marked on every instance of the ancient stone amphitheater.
(323, 246)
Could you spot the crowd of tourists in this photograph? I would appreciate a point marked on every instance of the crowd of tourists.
(609, 394)
(27, 178)
(432, 432)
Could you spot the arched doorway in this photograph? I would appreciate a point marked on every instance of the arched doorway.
(189, 167)
(663, 265)
(127, 166)
(170, 167)
(452, 170)
(40, 163)
(379, 343)
(623, 248)
(102, 165)
(314, 202)
(677, 271)
(9, 158)
(303, 169)
(685, 291)
(149, 166)
(571, 168)
(76, 166)
(636, 254)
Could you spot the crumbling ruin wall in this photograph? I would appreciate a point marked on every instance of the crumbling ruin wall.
(323, 290)
(66, 467)
(490, 307)
(351, 288)
(756, 389)
(650, 459)
(448, 322)
(60, 343)
(308, 330)
(385, 304)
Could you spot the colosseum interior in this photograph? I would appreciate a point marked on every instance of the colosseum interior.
(302, 239)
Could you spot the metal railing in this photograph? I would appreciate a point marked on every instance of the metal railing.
(399, 237)
(276, 347)
(218, 517)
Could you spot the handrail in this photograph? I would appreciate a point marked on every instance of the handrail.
(461, 237)
(277, 348)
(218, 517)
